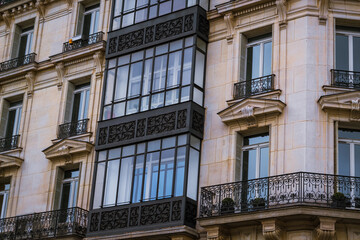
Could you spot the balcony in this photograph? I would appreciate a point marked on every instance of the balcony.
(52, 224)
(295, 189)
(17, 62)
(345, 79)
(3, 2)
(254, 86)
(9, 143)
(86, 41)
(73, 128)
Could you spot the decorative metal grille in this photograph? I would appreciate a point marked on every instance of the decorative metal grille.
(254, 86)
(73, 128)
(3, 2)
(9, 143)
(301, 188)
(17, 62)
(59, 223)
(86, 41)
(345, 79)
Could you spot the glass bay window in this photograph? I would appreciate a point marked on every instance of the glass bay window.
(160, 76)
(147, 171)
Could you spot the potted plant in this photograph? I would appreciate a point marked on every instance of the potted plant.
(357, 202)
(339, 200)
(258, 203)
(227, 205)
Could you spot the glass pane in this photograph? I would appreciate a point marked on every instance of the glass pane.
(132, 106)
(267, 58)
(124, 60)
(193, 172)
(153, 145)
(75, 109)
(180, 172)
(201, 44)
(119, 110)
(112, 63)
(137, 56)
(144, 104)
(342, 52)
(128, 19)
(186, 78)
(204, 4)
(149, 52)
(121, 82)
(176, 45)
(99, 185)
(172, 97)
(182, 140)
(111, 182)
(65, 196)
(166, 173)
(151, 176)
(138, 178)
(118, 7)
(179, 4)
(161, 49)
(249, 165)
(109, 86)
(199, 69)
(349, 134)
(189, 41)
(102, 155)
(140, 148)
(159, 73)
(126, 172)
(174, 68)
(253, 61)
(264, 162)
(256, 139)
(191, 3)
(10, 123)
(168, 142)
(107, 113)
(142, 3)
(357, 160)
(185, 94)
(135, 79)
(356, 53)
(165, 8)
(153, 12)
(157, 100)
(344, 159)
(195, 142)
(147, 77)
(86, 107)
(128, 150)
(114, 153)
(198, 96)
(129, 5)
(116, 23)
(141, 15)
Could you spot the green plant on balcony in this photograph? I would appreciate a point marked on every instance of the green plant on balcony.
(258, 203)
(357, 202)
(227, 205)
(339, 200)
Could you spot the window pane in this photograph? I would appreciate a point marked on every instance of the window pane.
(179, 4)
(249, 165)
(199, 69)
(111, 182)
(191, 3)
(176, 45)
(144, 104)
(132, 106)
(65, 196)
(86, 107)
(264, 162)
(185, 94)
(109, 86)
(140, 148)
(166, 173)
(112, 63)
(267, 59)
(142, 3)
(256, 139)
(119, 110)
(129, 5)
(186, 78)
(198, 96)
(159, 73)
(124, 60)
(357, 160)
(161, 49)
(157, 100)
(195, 142)
(116, 23)
(153, 12)
(172, 97)
(253, 62)
(102, 155)
(118, 7)
(76, 107)
(147, 77)
(128, 19)
(165, 8)
(99, 185)
(168, 142)
(138, 178)
(174, 69)
(114, 153)
(356, 53)
(182, 140)
(342, 52)
(154, 145)
(141, 15)
(344, 159)
(135, 79)
(121, 82)
(201, 44)
(151, 176)
(193, 174)
(180, 172)
(125, 180)
(349, 134)
(107, 113)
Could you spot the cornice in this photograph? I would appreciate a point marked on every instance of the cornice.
(10, 161)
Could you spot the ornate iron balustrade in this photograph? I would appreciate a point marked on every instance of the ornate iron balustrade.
(346, 79)
(59, 223)
(301, 188)
(9, 143)
(88, 40)
(3, 2)
(73, 128)
(17, 62)
(254, 86)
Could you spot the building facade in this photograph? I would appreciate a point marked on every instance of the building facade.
(180, 119)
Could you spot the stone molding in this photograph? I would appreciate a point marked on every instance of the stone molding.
(217, 233)
(271, 229)
(10, 161)
(326, 229)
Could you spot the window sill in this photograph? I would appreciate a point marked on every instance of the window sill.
(81, 137)
(273, 94)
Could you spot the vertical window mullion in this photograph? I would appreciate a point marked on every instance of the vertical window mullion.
(261, 59)
(105, 175)
(133, 175)
(166, 73)
(352, 159)
(174, 171)
(257, 164)
(351, 53)
(128, 85)
(157, 187)
(151, 80)
(143, 178)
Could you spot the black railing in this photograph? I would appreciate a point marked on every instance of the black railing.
(345, 79)
(254, 86)
(9, 143)
(3, 2)
(58, 223)
(17, 62)
(88, 40)
(299, 188)
(73, 128)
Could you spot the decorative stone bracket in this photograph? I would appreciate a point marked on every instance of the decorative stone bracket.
(229, 20)
(40, 6)
(98, 58)
(271, 229)
(30, 79)
(323, 10)
(217, 233)
(7, 19)
(60, 70)
(326, 229)
(281, 7)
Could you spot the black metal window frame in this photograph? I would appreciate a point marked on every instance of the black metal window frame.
(196, 91)
(105, 160)
(152, 9)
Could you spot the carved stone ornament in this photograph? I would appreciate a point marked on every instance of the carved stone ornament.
(98, 58)
(66, 148)
(355, 109)
(281, 7)
(323, 10)
(271, 230)
(229, 20)
(326, 229)
(10, 161)
(40, 6)
(60, 70)
(217, 233)
(30, 79)
(7, 19)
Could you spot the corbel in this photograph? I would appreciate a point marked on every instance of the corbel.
(323, 10)
(355, 110)
(271, 229)
(248, 113)
(326, 229)
(30, 79)
(98, 59)
(281, 7)
(229, 20)
(64, 151)
(69, 3)
(40, 6)
(7, 19)
(60, 70)
(217, 233)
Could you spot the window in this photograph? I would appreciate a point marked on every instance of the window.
(88, 20)
(347, 50)
(129, 12)
(155, 77)
(147, 171)
(349, 152)
(4, 197)
(77, 102)
(67, 188)
(13, 119)
(23, 38)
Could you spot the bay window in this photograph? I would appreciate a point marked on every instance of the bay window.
(155, 77)
(147, 171)
(349, 152)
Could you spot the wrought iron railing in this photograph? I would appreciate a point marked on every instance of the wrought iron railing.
(17, 62)
(254, 86)
(345, 79)
(73, 128)
(3, 2)
(58, 223)
(88, 40)
(301, 188)
(9, 143)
